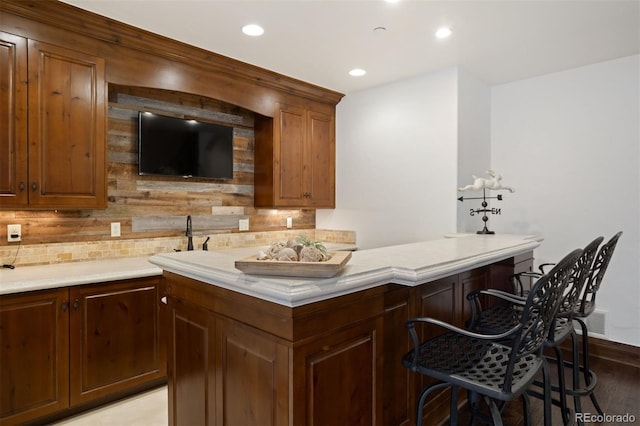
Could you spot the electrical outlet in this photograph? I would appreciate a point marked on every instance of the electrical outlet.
(243, 225)
(115, 229)
(14, 233)
(289, 222)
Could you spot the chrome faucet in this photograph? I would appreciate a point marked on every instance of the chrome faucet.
(189, 234)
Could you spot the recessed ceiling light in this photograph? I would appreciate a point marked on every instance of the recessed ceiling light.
(357, 72)
(443, 32)
(253, 30)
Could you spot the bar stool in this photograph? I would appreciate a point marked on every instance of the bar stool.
(494, 319)
(485, 366)
(584, 308)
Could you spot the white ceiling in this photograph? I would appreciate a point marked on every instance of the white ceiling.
(319, 41)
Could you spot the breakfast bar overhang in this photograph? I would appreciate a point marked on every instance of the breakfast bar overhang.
(258, 350)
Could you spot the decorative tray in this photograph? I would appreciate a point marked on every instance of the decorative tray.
(326, 269)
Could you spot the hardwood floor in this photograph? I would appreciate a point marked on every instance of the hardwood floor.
(617, 393)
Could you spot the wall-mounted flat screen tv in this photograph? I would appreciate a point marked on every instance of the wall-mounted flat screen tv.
(170, 146)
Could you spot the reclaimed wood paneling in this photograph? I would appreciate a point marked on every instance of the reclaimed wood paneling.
(154, 206)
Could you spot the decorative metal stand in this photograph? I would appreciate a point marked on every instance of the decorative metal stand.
(484, 210)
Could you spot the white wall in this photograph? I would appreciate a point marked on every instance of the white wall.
(570, 144)
(396, 162)
(474, 146)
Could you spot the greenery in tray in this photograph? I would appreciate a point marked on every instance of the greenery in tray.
(306, 242)
(302, 249)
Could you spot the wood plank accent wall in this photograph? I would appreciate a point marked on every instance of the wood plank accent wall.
(154, 206)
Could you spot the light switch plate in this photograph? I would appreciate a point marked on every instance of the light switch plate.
(115, 229)
(289, 222)
(243, 225)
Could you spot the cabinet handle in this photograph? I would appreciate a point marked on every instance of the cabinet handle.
(22, 186)
(34, 186)
(306, 194)
(65, 306)
(76, 304)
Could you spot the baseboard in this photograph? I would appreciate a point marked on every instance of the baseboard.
(609, 351)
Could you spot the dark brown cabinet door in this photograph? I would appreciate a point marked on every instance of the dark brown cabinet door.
(341, 376)
(397, 400)
(290, 156)
(67, 134)
(253, 376)
(321, 149)
(13, 121)
(34, 355)
(115, 337)
(440, 300)
(191, 369)
(295, 159)
(473, 280)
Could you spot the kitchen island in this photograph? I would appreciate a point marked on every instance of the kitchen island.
(249, 349)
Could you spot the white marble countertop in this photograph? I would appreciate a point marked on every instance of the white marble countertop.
(66, 274)
(41, 277)
(407, 264)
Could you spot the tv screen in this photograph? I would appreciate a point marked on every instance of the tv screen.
(170, 146)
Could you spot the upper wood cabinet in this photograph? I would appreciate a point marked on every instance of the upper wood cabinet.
(295, 158)
(53, 108)
(13, 120)
(54, 132)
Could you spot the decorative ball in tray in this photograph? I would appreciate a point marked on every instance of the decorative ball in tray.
(301, 257)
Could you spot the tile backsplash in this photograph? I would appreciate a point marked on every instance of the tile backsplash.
(42, 254)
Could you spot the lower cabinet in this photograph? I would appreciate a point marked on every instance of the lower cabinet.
(64, 348)
(237, 360)
(222, 372)
(34, 355)
(115, 338)
(339, 376)
(191, 368)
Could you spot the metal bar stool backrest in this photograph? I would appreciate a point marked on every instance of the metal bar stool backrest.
(542, 305)
(588, 300)
(581, 271)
